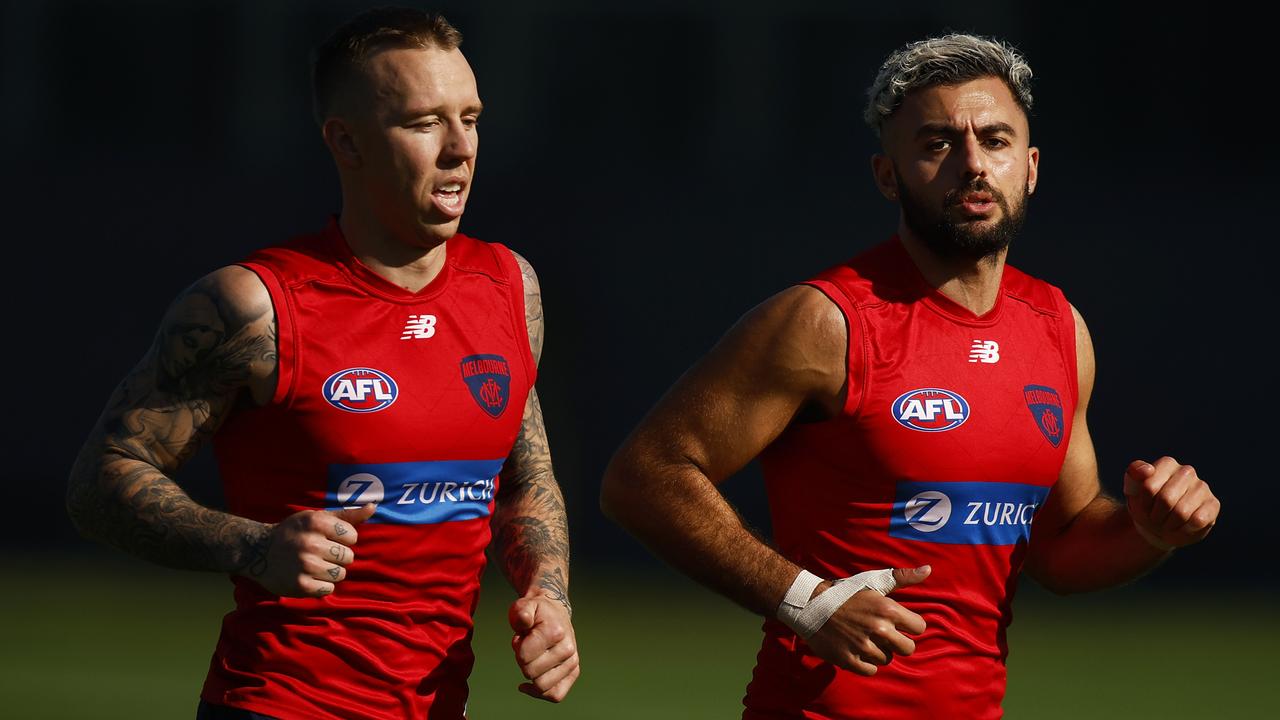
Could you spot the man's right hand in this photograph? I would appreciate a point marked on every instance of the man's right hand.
(309, 551)
(867, 631)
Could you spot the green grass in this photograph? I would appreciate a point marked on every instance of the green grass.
(120, 640)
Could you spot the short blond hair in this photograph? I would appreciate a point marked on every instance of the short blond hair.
(946, 60)
(367, 34)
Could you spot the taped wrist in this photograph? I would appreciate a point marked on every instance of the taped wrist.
(806, 617)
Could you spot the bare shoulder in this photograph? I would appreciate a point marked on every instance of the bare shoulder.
(238, 292)
(527, 274)
(1085, 361)
(219, 334)
(532, 304)
(797, 338)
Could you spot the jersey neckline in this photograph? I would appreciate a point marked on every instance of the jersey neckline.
(935, 300)
(368, 279)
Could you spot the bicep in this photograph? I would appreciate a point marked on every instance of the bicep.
(216, 339)
(1078, 483)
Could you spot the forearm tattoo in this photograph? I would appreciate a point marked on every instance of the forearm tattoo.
(120, 490)
(532, 533)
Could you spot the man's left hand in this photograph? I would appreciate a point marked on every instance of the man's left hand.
(545, 647)
(1170, 505)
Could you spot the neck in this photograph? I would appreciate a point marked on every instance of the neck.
(972, 284)
(410, 260)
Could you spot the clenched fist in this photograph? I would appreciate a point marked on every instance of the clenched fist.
(1170, 505)
(307, 553)
(545, 647)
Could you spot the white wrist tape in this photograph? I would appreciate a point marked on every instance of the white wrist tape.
(807, 616)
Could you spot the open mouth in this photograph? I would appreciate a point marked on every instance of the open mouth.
(448, 197)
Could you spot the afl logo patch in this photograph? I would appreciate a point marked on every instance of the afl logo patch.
(360, 390)
(930, 410)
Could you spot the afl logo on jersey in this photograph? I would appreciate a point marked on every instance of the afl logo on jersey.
(930, 410)
(360, 390)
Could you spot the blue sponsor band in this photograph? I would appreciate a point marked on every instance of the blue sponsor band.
(965, 513)
(416, 493)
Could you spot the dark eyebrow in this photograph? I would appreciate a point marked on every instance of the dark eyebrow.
(948, 130)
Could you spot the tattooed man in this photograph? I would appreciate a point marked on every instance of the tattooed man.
(364, 390)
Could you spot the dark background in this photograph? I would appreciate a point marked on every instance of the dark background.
(665, 166)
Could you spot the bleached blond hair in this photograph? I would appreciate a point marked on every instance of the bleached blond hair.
(946, 60)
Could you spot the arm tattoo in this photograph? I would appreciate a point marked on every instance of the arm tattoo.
(531, 527)
(532, 305)
(530, 521)
(120, 491)
(554, 583)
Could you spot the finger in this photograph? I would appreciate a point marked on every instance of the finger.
(553, 657)
(338, 554)
(1180, 480)
(554, 695)
(1202, 520)
(532, 645)
(1164, 468)
(522, 614)
(857, 665)
(312, 587)
(873, 653)
(342, 523)
(552, 676)
(561, 689)
(904, 619)
(326, 571)
(906, 577)
(1180, 514)
(1137, 472)
(357, 515)
(895, 642)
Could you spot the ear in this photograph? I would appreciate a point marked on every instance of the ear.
(340, 138)
(885, 176)
(1033, 168)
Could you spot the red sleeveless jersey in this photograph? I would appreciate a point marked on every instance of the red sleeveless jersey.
(408, 400)
(953, 432)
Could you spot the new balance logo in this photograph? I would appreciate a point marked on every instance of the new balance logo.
(984, 351)
(419, 327)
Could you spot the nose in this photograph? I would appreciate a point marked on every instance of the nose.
(973, 161)
(460, 145)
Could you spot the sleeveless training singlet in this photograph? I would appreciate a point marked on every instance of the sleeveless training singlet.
(409, 400)
(954, 430)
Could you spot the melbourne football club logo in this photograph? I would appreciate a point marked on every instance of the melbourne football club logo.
(927, 511)
(489, 379)
(930, 410)
(360, 390)
(1046, 410)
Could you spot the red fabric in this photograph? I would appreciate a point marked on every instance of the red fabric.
(393, 640)
(832, 486)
